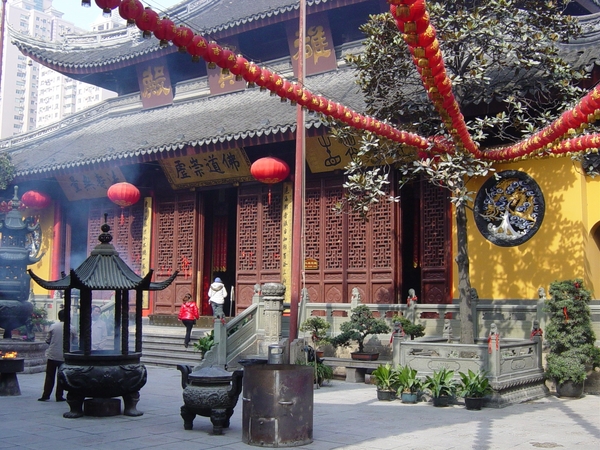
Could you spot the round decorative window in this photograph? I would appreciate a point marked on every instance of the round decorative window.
(509, 208)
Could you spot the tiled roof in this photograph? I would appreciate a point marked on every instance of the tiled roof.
(105, 135)
(86, 53)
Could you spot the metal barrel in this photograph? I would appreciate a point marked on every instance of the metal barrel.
(277, 405)
(276, 354)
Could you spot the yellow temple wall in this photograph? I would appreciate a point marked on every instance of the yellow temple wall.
(563, 247)
(43, 267)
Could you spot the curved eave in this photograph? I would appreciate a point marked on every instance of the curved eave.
(61, 285)
(160, 285)
(63, 56)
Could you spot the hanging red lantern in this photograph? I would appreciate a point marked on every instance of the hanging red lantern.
(36, 200)
(228, 61)
(213, 55)
(197, 47)
(148, 21)
(123, 194)
(183, 36)
(270, 170)
(107, 6)
(240, 66)
(130, 10)
(166, 31)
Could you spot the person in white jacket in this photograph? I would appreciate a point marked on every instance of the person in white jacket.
(216, 297)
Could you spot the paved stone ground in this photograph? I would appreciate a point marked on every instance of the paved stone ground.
(346, 416)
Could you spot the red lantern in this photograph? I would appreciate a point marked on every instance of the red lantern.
(270, 170)
(123, 194)
(130, 10)
(165, 31)
(108, 5)
(183, 36)
(213, 55)
(35, 200)
(239, 67)
(197, 47)
(148, 21)
(229, 61)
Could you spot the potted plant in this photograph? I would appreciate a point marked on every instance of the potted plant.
(408, 384)
(323, 372)
(414, 330)
(362, 323)
(569, 337)
(205, 343)
(386, 380)
(317, 327)
(474, 387)
(441, 386)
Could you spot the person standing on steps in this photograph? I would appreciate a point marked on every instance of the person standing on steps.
(188, 314)
(216, 297)
(55, 356)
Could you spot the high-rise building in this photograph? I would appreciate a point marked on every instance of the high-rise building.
(32, 96)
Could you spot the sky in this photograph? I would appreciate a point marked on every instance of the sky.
(83, 17)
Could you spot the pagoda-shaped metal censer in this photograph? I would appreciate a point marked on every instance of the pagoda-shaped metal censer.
(103, 374)
(15, 255)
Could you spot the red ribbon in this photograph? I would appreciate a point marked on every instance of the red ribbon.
(566, 314)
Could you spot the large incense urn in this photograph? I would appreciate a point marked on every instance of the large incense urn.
(209, 392)
(102, 376)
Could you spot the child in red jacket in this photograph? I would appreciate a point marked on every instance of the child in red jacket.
(188, 313)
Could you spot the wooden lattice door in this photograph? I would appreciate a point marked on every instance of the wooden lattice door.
(258, 240)
(436, 245)
(176, 231)
(347, 252)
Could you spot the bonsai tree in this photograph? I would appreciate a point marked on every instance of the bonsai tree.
(317, 327)
(414, 330)
(569, 333)
(362, 323)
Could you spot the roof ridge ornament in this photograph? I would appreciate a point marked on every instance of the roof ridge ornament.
(105, 237)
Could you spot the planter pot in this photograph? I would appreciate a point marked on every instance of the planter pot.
(320, 353)
(408, 397)
(386, 395)
(443, 400)
(569, 389)
(364, 356)
(473, 403)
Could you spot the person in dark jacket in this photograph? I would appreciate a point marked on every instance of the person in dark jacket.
(188, 314)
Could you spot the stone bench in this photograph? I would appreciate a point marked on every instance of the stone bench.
(355, 370)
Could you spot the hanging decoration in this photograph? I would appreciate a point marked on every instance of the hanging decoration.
(107, 6)
(413, 21)
(219, 251)
(123, 194)
(36, 200)
(270, 170)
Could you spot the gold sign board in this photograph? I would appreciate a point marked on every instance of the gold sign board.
(207, 169)
(89, 184)
(311, 264)
(325, 154)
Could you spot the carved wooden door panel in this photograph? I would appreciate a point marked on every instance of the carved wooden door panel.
(436, 245)
(175, 233)
(126, 227)
(349, 252)
(258, 240)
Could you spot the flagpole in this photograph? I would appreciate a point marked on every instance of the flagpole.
(297, 227)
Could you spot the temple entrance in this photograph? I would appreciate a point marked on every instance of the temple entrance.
(219, 246)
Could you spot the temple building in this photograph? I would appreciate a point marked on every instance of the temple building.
(186, 134)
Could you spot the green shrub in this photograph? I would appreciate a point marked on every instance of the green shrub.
(362, 323)
(569, 333)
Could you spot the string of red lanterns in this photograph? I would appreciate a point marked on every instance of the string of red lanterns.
(412, 20)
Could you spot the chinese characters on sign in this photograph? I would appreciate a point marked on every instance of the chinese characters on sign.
(286, 237)
(223, 83)
(155, 84)
(325, 154)
(207, 169)
(92, 184)
(318, 43)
